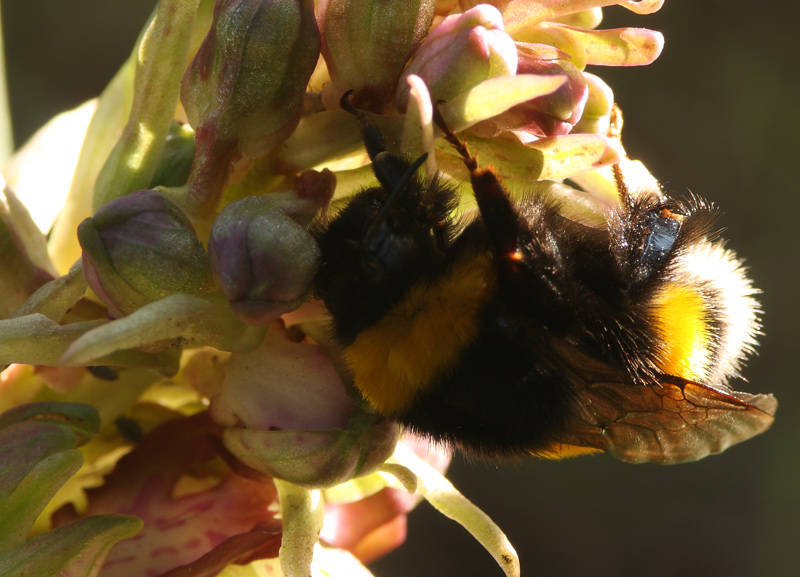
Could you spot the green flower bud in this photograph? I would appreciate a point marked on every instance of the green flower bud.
(141, 248)
(461, 52)
(366, 44)
(250, 74)
(261, 252)
(316, 458)
(243, 91)
(287, 414)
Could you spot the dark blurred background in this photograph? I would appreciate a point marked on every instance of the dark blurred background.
(719, 114)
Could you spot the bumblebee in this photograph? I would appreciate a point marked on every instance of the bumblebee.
(522, 332)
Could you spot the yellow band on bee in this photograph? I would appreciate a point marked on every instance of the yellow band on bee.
(682, 321)
(422, 336)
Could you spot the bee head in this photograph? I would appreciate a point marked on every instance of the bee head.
(385, 238)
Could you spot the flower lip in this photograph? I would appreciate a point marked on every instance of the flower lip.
(260, 390)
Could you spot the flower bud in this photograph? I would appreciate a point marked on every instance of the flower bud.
(366, 44)
(552, 115)
(141, 248)
(261, 252)
(244, 89)
(250, 74)
(288, 415)
(462, 51)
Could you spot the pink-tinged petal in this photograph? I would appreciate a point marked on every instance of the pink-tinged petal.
(495, 96)
(553, 114)
(288, 415)
(61, 379)
(617, 47)
(371, 527)
(178, 530)
(436, 455)
(642, 6)
(243, 548)
(461, 52)
(418, 124)
(284, 384)
(521, 14)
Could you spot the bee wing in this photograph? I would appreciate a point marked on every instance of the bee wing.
(672, 421)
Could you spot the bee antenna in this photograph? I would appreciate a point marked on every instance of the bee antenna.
(461, 146)
(393, 198)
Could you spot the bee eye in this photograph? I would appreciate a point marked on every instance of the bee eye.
(660, 228)
(664, 227)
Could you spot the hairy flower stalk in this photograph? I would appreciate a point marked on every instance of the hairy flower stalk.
(168, 375)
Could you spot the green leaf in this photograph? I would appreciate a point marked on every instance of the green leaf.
(180, 318)
(37, 456)
(55, 298)
(75, 550)
(24, 445)
(82, 419)
(19, 510)
(37, 340)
